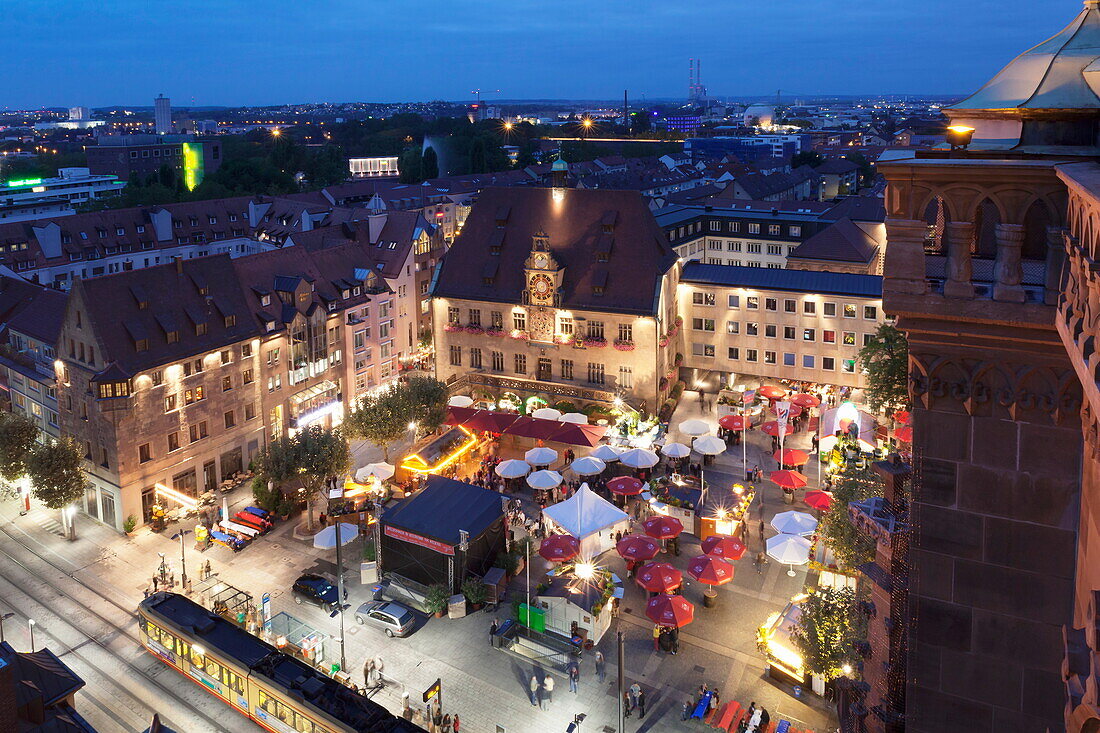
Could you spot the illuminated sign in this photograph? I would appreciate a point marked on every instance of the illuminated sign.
(192, 165)
(25, 182)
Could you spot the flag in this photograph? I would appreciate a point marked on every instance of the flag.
(748, 396)
(782, 412)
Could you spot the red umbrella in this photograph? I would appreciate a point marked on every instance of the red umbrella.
(560, 547)
(904, 434)
(771, 392)
(772, 429)
(902, 416)
(805, 400)
(659, 577)
(795, 410)
(626, 486)
(724, 546)
(734, 422)
(663, 527)
(710, 570)
(671, 611)
(821, 500)
(791, 457)
(638, 547)
(788, 479)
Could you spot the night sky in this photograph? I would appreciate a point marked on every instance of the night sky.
(238, 52)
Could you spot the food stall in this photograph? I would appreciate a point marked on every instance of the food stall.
(724, 512)
(775, 638)
(578, 607)
(435, 453)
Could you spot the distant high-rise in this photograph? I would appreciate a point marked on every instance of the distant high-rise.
(697, 93)
(79, 114)
(162, 115)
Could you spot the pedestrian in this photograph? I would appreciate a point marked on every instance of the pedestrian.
(685, 710)
(641, 704)
(368, 672)
(454, 725)
(656, 637)
(548, 685)
(574, 678)
(601, 668)
(534, 691)
(714, 700)
(493, 629)
(674, 637)
(627, 707)
(634, 691)
(378, 665)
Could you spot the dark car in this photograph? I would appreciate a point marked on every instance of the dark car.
(317, 590)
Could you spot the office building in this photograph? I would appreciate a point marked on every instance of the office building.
(79, 114)
(143, 155)
(162, 115)
(37, 198)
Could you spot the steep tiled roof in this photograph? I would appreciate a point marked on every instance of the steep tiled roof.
(844, 241)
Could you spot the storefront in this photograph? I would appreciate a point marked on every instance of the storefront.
(317, 405)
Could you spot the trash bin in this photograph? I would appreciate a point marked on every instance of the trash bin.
(456, 607)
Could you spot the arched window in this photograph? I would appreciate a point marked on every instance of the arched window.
(935, 216)
(1036, 222)
(986, 218)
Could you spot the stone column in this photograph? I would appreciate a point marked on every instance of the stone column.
(1054, 279)
(904, 268)
(1007, 270)
(959, 235)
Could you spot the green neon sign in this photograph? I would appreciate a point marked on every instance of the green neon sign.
(192, 165)
(25, 182)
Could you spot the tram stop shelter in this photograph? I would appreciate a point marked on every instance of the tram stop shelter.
(296, 637)
(445, 532)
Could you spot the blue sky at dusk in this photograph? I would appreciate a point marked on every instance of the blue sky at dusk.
(236, 52)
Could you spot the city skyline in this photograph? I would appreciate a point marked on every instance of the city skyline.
(273, 58)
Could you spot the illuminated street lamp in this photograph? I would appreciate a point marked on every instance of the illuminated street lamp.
(959, 136)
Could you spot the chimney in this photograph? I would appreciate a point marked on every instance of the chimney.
(179, 264)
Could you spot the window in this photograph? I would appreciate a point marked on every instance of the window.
(225, 356)
(595, 373)
(828, 363)
(775, 249)
(788, 333)
(456, 356)
(566, 368)
(752, 248)
(769, 330)
(849, 310)
(733, 327)
(198, 431)
(848, 366)
(752, 329)
(169, 402)
(145, 453)
(700, 298)
(715, 225)
(626, 332)
(157, 377)
(769, 357)
(272, 357)
(788, 359)
(809, 308)
(754, 228)
(246, 376)
(807, 361)
(750, 355)
(734, 353)
(734, 301)
(735, 226)
(519, 321)
(453, 316)
(870, 313)
(733, 246)
(771, 304)
(849, 338)
(498, 361)
(192, 395)
(521, 363)
(702, 349)
(595, 329)
(246, 351)
(868, 338)
(790, 306)
(227, 383)
(173, 442)
(773, 229)
(809, 334)
(829, 309)
(274, 383)
(475, 316)
(795, 231)
(475, 358)
(230, 419)
(626, 377)
(250, 411)
(752, 303)
(497, 319)
(702, 324)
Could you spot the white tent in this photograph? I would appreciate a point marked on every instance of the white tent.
(841, 418)
(590, 518)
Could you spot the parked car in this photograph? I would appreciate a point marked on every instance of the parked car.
(316, 590)
(391, 617)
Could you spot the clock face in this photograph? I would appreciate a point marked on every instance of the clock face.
(541, 285)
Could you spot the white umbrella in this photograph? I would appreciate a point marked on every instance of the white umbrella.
(574, 417)
(326, 538)
(546, 413)
(789, 549)
(380, 471)
(606, 453)
(799, 523)
(676, 450)
(709, 445)
(694, 427)
(512, 468)
(639, 458)
(588, 466)
(540, 456)
(460, 400)
(544, 479)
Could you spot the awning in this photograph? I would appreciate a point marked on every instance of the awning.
(311, 392)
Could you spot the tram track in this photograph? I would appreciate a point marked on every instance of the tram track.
(101, 641)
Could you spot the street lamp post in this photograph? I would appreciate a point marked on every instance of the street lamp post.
(183, 559)
(30, 626)
(622, 713)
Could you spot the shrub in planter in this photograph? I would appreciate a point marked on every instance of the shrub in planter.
(678, 360)
(129, 524)
(435, 600)
(474, 591)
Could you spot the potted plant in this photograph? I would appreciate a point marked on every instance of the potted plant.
(475, 593)
(129, 524)
(435, 600)
(284, 508)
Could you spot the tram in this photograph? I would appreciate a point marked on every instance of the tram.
(277, 691)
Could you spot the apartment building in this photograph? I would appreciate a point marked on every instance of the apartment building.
(31, 320)
(778, 324)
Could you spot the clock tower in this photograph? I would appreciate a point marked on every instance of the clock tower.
(543, 276)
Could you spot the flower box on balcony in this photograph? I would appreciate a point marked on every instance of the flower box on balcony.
(452, 328)
(476, 330)
(494, 332)
(593, 342)
(520, 335)
(624, 345)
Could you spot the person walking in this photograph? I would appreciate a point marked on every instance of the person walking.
(627, 707)
(493, 629)
(574, 678)
(656, 637)
(641, 704)
(454, 725)
(534, 691)
(548, 685)
(601, 666)
(634, 691)
(685, 710)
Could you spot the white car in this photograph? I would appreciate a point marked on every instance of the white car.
(391, 617)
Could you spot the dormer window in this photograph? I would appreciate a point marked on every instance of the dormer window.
(345, 293)
(265, 300)
(173, 337)
(111, 390)
(141, 229)
(141, 345)
(230, 321)
(212, 219)
(120, 231)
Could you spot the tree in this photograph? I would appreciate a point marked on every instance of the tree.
(427, 400)
(866, 168)
(409, 165)
(811, 158)
(311, 456)
(18, 437)
(57, 474)
(429, 165)
(384, 416)
(479, 162)
(851, 547)
(824, 632)
(885, 359)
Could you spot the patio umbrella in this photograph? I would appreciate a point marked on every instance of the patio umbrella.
(380, 471)
(791, 457)
(671, 611)
(904, 434)
(734, 422)
(676, 450)
(820, 500)
(799, 523)
(789, 549)
(789, 480)
(544, 480)
(546, 413)
(540, 456)
(709, 445)
(460, 400)
(637, 547)
(659, 577)
(626, 486)
(606, 453)
(639, 458)
(574, 417)
(694, 427)
(902, 416)
(662, 527)
(772, 428)
(771, 392)
(710, 570)
(560, 547)
(805, 400)
(326, 538)
(512, 468)
(724, 546)
(588, 466)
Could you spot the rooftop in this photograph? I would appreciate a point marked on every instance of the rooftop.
(797, 281)
(444, 507)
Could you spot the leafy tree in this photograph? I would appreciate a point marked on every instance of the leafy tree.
(384, 417)
(427, 399)
(57, 473)
(885, 359)
(811, 158)
(824, 632)
(866, 168)
(410, 165)
(640, 121)
(311, 456)
(429, 166)
(166, 176)
(479, 161)
(850, 546)
(18, 437)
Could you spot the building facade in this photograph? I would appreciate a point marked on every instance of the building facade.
(143, 155)
(35, 198)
